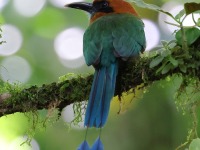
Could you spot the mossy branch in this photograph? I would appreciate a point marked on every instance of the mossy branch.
(69, 91)
(77, 88)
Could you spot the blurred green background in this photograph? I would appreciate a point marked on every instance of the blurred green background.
(44, 42)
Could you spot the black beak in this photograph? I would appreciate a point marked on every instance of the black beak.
(82, 5)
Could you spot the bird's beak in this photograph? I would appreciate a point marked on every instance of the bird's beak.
(81, 5)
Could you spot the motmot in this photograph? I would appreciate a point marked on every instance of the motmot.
(115, 34)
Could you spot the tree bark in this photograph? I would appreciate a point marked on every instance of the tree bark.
(77, 89)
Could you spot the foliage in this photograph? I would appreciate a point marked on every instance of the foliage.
(183, 53)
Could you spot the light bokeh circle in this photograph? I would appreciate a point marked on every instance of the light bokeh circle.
(68, 116)
(69, 47)
(13, 40)
(152, 34)
(174, 8)
(3, 143)
(3, 4)
(15, 69)
(16, 144)
(189, 21)
(28, 8)
(62, 3)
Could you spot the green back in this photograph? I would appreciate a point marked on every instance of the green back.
(111, 36)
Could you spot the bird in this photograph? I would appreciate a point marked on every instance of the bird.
(114, 35)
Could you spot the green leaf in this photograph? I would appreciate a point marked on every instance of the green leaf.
(157, 49)
(141, 3)
(180, 61)
(161, 68)
(173, 61)
(164, 43)
(156, 61)
(167, 68)
(180, 14)
(192, 34)
(183, 68)
(167, 13)
(195, 144)
(176, 48)
(171, 42)
(191, 7)
(198, 22)
(165, 53)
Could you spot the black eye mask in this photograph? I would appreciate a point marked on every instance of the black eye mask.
(102, 6)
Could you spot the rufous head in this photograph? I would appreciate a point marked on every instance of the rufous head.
(103, 7)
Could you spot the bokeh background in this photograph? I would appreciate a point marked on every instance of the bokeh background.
(44, 42)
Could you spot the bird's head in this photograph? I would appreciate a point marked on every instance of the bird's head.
(103, 7)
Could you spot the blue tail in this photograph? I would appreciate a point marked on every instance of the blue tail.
(84, 146)
(98, 145)
(103, 88)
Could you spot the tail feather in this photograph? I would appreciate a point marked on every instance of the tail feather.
(108, 93)
(102, 91)
(93, 103)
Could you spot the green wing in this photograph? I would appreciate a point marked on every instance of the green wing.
(129, 38)
(111, 36)
(97, 42)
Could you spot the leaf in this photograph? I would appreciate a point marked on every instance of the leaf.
(171, 42)
(165, 53)
(191, 7)
(173, 61)
(176, 48)
(195, 144)
(164, 43)
(161, 68)
(167, 13)
(180, 14)
(167, 68)
(183, 68)
(142, 4)
(157, 49)
(192, 34)
(180, 61)
(156, 61)
(198, 22)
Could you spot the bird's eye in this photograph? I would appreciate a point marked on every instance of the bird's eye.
(104, 4)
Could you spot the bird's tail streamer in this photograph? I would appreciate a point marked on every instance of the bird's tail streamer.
(102, 92)
(96, 146)
(103, 88)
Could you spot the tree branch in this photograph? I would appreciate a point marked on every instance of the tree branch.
(69, 91)
(77, 89)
